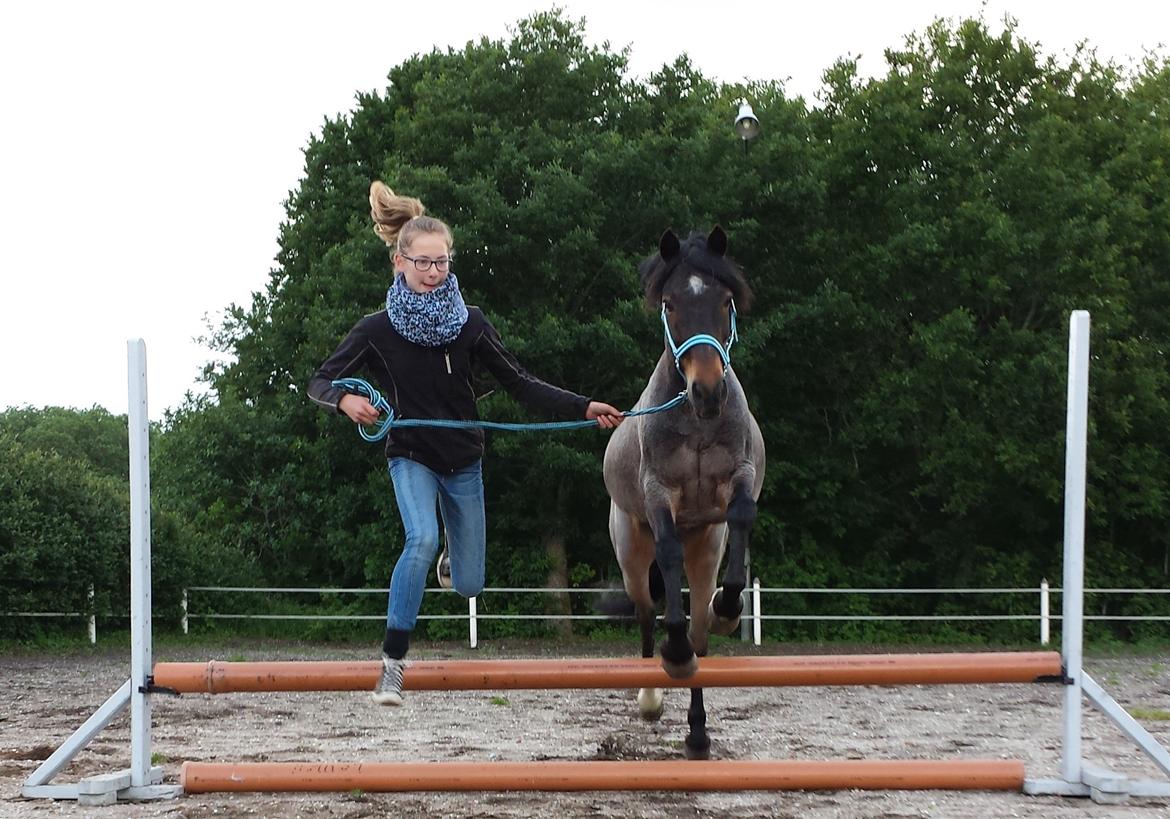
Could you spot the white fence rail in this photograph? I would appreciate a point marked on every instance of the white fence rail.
(753, 611)
(89, 615)
(752, 621)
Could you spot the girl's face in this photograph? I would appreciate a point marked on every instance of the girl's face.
(423, 252)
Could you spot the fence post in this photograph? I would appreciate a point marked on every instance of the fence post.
(472, 624)
(745, 597)
(184, 610)
(756, 611)
(1044, 612)
(92, 627)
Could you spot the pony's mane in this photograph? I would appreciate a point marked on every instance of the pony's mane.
(694, 254)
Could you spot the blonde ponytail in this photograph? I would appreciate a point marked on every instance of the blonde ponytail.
(398, 219)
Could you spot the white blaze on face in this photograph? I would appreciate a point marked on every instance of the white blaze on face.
(696, 285)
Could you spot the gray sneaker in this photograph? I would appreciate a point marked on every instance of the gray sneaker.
(389, 690)
(443, 569)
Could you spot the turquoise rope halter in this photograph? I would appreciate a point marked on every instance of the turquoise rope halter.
(383, 426)
(699, 339)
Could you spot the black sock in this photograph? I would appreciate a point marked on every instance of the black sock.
(396, 643)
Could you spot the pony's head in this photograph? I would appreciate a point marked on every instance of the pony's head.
(697, 290)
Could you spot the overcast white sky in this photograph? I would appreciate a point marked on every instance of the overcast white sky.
(147, 148)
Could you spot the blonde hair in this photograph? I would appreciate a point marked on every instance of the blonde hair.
(398, 219)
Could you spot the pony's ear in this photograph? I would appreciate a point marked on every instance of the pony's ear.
(668, 245)
(717, 241)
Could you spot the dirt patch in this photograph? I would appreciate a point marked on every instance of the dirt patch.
(44, 699)
(37, 753)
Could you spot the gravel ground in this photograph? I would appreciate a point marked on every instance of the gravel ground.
(46, 696)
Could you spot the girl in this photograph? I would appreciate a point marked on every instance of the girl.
(422, 351)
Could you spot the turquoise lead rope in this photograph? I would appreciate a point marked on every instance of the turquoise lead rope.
(382, 428)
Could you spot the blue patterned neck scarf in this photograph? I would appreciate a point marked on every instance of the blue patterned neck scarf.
(430, 319)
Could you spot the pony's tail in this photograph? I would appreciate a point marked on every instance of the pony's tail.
(617, 604)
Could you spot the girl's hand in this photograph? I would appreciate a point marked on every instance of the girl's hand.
(607, 417)
(359, 409)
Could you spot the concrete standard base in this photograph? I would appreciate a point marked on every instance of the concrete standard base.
(106, 789)
(1103, 787)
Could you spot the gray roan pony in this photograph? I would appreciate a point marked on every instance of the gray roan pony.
(683, 483)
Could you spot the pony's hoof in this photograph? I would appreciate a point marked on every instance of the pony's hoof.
(650, 702)
(683, 670)
(703, 751)
(720, 624)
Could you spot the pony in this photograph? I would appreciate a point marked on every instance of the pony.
(683, 483)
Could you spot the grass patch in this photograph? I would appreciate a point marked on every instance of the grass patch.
(498, 700)
(239, 645)
(1152, 714)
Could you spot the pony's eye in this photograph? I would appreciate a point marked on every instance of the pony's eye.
(668, 305)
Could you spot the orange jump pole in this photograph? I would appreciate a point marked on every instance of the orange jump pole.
(714, 775)
(464, 675)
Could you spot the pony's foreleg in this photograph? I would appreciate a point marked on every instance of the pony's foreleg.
(678, 655)
(703, 552)
(727, 604)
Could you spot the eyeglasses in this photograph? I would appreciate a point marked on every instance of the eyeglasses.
(422, 264)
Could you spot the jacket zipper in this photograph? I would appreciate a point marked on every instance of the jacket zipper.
(447, 358)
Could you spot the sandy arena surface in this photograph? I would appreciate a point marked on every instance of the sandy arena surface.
(45, 697)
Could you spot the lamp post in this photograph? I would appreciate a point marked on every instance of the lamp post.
(748, 128)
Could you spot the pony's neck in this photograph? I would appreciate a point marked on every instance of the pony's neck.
(666, 379)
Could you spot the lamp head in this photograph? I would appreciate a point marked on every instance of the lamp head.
(746, 124)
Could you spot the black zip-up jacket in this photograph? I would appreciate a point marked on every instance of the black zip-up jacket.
(435, 382)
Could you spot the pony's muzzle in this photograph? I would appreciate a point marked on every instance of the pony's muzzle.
(706, 384)
(708, 400)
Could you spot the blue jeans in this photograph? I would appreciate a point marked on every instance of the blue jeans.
(460, 499)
